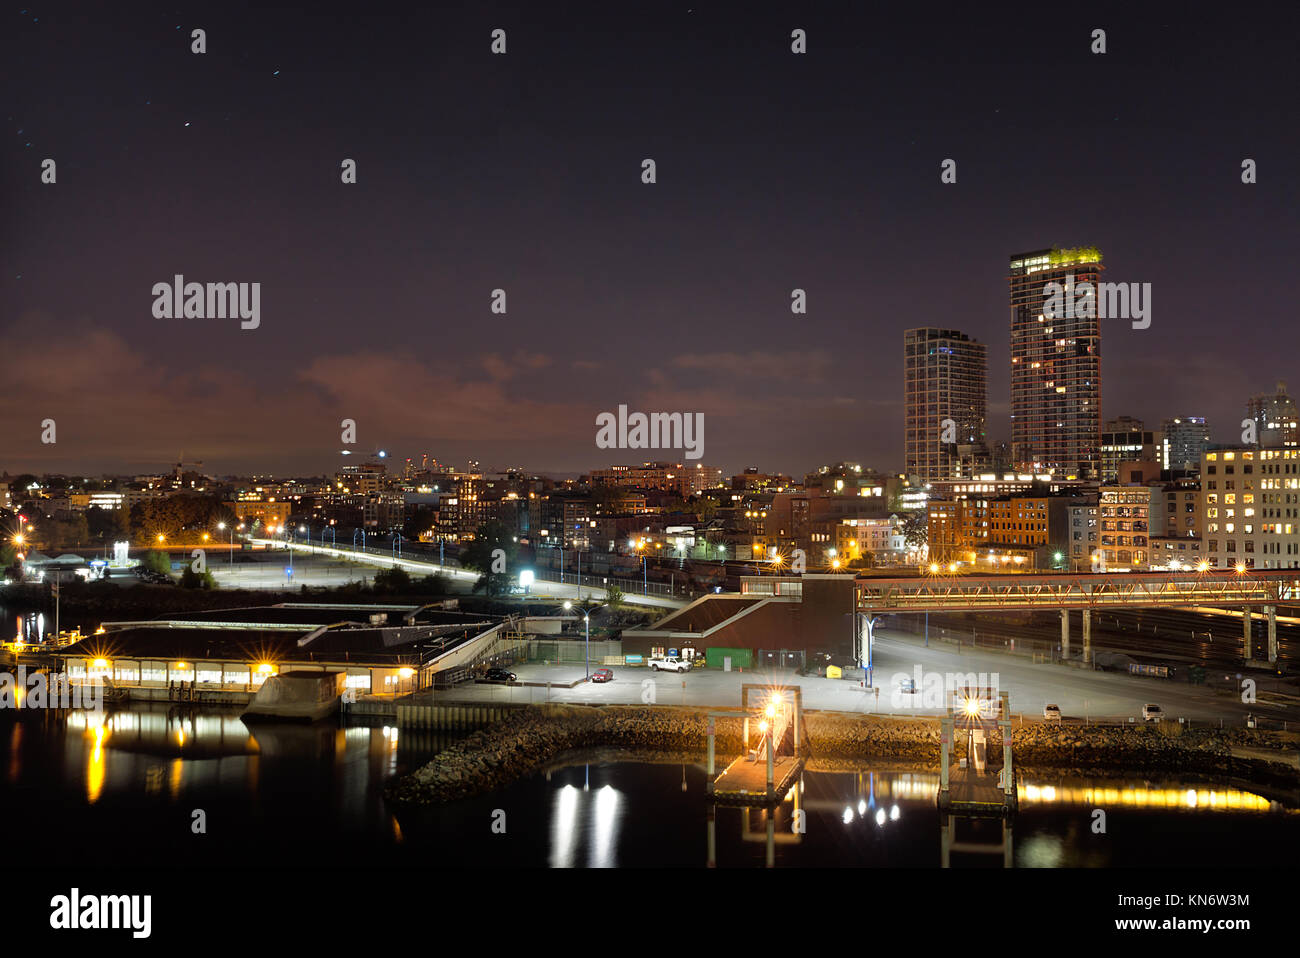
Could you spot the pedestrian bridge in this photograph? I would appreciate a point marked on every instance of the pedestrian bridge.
(1145, 590)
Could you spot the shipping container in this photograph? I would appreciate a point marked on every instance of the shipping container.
(714, 657)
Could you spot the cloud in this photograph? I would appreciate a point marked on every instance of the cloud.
(759, 364)
(111, 403)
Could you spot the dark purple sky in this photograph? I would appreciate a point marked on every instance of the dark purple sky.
(522, 171)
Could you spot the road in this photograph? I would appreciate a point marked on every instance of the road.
(351, 564)
(1080, 693)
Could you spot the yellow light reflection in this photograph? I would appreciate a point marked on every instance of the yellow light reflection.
(95, 766)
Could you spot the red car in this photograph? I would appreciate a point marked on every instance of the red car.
(602, 675)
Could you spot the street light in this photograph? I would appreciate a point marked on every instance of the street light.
(586, 624)
(222, 526)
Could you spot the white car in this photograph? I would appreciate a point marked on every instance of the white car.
(669, 663)
(1052, 713)
(1152, 713)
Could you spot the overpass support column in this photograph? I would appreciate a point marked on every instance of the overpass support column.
(1272, 632)
(1245, 633)
(1065, 634)
(1087, 636)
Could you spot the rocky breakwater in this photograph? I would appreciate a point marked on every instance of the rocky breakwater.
(850, 735)
(535, 736)
(1257, 756)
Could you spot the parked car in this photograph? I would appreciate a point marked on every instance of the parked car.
(602, 675)
(669, 663)
(1052, 713)
(497, 674)
(1152, 712)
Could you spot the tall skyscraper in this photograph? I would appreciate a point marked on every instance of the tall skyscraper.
(1186, 437)
(1275, 418)
(945, 385)
(1055, 364)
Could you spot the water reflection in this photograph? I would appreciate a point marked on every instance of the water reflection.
(578, 814)
(862, 808)
(133, 772)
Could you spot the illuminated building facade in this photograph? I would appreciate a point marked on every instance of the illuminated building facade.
(944, 378)
(1186, 438)
(1251, 503)
(1055, 366)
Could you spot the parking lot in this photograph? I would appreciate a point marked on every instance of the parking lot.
(1081, 695)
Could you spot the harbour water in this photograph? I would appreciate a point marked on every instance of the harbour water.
(132, 790)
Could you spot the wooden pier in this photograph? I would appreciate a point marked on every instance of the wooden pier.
(976, 788)
(761, 776)
(745, 783)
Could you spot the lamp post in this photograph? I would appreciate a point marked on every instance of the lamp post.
(586, 624)
(221, 526)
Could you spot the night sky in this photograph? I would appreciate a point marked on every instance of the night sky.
(523, 171)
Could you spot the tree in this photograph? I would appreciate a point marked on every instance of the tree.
(916, 530)
(156, 561)
(614, 596)
(421, 521)
(111, 525)
(392, 580)
(491, 554)
(8, 559)
(705, 506)
(197, 580)
(69, 533)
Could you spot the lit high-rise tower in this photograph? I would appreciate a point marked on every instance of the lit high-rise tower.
(1055, 365)
(945, 377)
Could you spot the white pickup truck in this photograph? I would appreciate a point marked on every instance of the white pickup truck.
(669, 663)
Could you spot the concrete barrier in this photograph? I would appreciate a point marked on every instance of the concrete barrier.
(447, 717)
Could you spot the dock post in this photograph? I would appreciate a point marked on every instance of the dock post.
(798, 718)
(771, 837)
(1245, 633)
(711, 734)
(945, 748)
(771, 765)
(713, 835)
(1005, 722)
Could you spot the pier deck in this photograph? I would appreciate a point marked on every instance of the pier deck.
(745, 783)
(975, 794)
